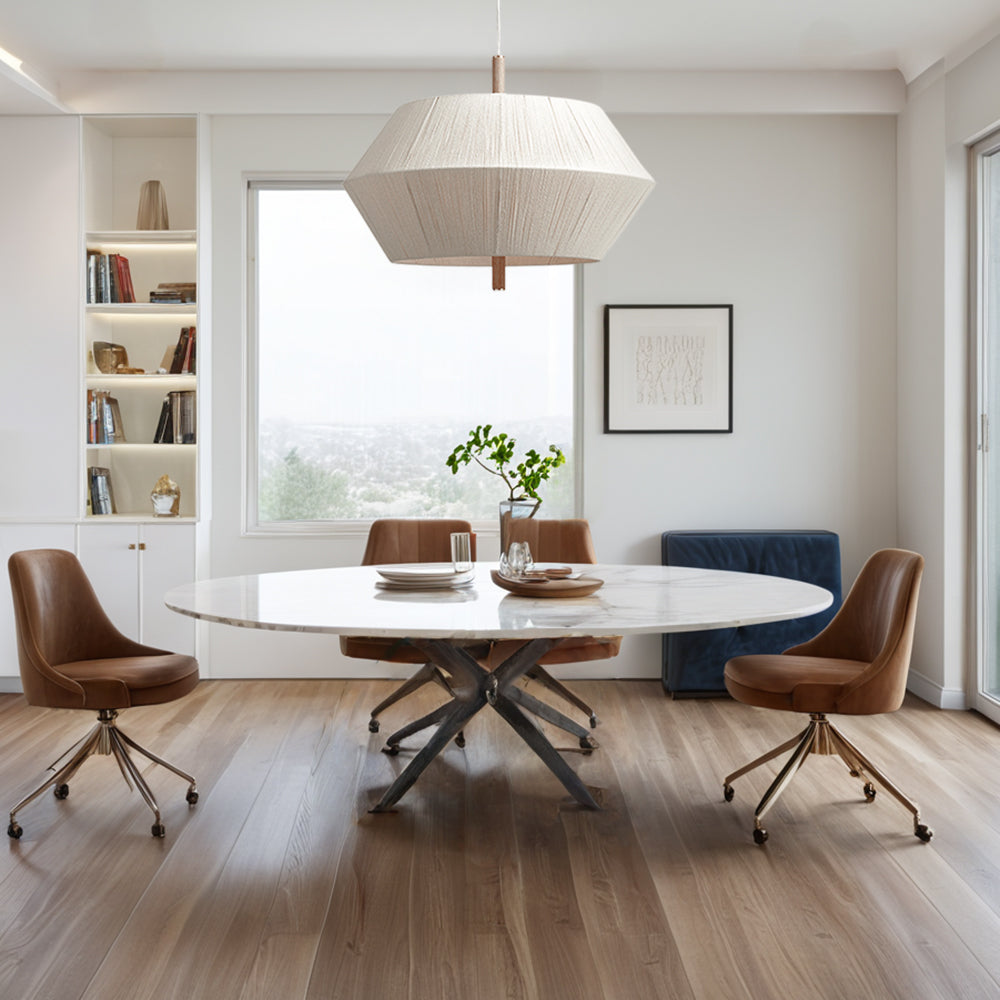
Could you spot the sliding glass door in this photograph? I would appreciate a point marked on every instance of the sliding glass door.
(986, 316)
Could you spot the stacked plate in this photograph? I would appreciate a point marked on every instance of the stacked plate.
(422, 576)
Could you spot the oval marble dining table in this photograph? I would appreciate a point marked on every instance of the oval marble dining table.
(455, 627)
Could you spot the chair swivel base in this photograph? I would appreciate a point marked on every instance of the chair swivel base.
(821, 737)
(107, 739)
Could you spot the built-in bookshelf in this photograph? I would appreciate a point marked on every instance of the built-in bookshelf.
(140, 318)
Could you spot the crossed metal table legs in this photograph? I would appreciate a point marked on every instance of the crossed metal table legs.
(473, 687)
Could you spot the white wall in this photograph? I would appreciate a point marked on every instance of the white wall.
(946, 111)
(40, 295)
(789, 217)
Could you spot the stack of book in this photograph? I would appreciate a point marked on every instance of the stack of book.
(108, 278)
(102, 497)
(182, 358)
(104, 418)
(177, 423)
(174, 291)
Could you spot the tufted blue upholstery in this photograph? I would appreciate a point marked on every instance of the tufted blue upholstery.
(693, 662)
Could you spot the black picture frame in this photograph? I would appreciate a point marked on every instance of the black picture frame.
(668, 369)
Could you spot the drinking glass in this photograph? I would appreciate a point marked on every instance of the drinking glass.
(461, 551)
(518, 559)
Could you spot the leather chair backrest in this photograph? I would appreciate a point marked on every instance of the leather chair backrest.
(874, 625)
(412, 540)
(58, 619)
(567, 540)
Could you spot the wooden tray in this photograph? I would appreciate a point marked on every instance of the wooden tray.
(580, 587)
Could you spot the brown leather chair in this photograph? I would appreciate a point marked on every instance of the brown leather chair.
(72, 656)
(552, 541)
(403, 540)
(856, 666)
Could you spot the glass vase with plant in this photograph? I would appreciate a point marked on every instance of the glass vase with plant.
(496, 454)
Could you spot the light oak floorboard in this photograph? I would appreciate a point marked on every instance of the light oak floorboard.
(488, 881)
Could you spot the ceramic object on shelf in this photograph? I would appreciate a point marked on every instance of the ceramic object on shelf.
(152, 212)
(166, 497)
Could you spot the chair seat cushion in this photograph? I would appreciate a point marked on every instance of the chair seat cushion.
(133, 680)
(790, 683)
(365, 647)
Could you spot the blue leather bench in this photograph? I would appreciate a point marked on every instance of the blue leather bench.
(693, 662)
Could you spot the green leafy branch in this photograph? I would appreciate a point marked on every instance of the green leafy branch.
(495, 453)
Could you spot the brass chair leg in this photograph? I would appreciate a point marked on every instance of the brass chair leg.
(823, 738)
(105, 738)
(921, 830)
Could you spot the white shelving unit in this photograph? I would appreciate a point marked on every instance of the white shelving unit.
(133, 557)
(119, 154)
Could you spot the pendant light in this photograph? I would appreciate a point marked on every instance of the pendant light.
(497, 179)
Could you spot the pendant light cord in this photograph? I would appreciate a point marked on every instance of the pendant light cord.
(499, 49)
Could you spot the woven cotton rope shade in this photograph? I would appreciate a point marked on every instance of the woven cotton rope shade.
(469, 178)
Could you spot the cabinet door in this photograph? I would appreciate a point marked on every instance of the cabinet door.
(166, 562)
(110, 555)
(131, 567)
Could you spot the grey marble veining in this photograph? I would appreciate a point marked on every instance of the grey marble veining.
(634, 599)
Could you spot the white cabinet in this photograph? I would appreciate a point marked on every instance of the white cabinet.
(132, 566)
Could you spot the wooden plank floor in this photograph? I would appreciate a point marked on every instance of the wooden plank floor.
(489, 882)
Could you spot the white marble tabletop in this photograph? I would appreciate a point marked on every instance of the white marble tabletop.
(634, 599)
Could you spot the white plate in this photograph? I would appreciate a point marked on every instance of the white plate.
(462, 580)
(422, 572)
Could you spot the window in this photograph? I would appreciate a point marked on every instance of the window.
(366, 374)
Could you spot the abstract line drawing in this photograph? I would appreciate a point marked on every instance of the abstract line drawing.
(668, 369)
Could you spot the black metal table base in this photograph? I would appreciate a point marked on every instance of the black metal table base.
(473, 687)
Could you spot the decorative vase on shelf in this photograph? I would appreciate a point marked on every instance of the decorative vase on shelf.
(166, 497)
(513, 512)
(152, 212)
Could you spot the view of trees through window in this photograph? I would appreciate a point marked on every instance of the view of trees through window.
(368, 373)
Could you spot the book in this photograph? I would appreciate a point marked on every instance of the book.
(117, 427)
(165, 425)
(177, 364)
(182, 411)
(174, 291)
(109, 278)
(123, 279)
(102, 500)
(186, 368)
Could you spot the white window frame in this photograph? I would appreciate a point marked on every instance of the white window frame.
(252, 526)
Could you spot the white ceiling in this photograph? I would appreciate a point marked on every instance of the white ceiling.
(58, 39)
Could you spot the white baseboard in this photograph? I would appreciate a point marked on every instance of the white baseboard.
(10, 685)
(953, 699)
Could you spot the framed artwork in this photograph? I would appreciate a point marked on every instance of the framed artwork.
(668, 369)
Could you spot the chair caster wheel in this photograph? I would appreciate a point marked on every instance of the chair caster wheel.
(391, 749)
(869, 791)
(61, 791)
(728, 792)
(14, 831)
(460, 741)
(159, 830)
(192, 796)
(923, 832)
(373, 725)
(759, 835)
(593, 722)
(588, 743)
